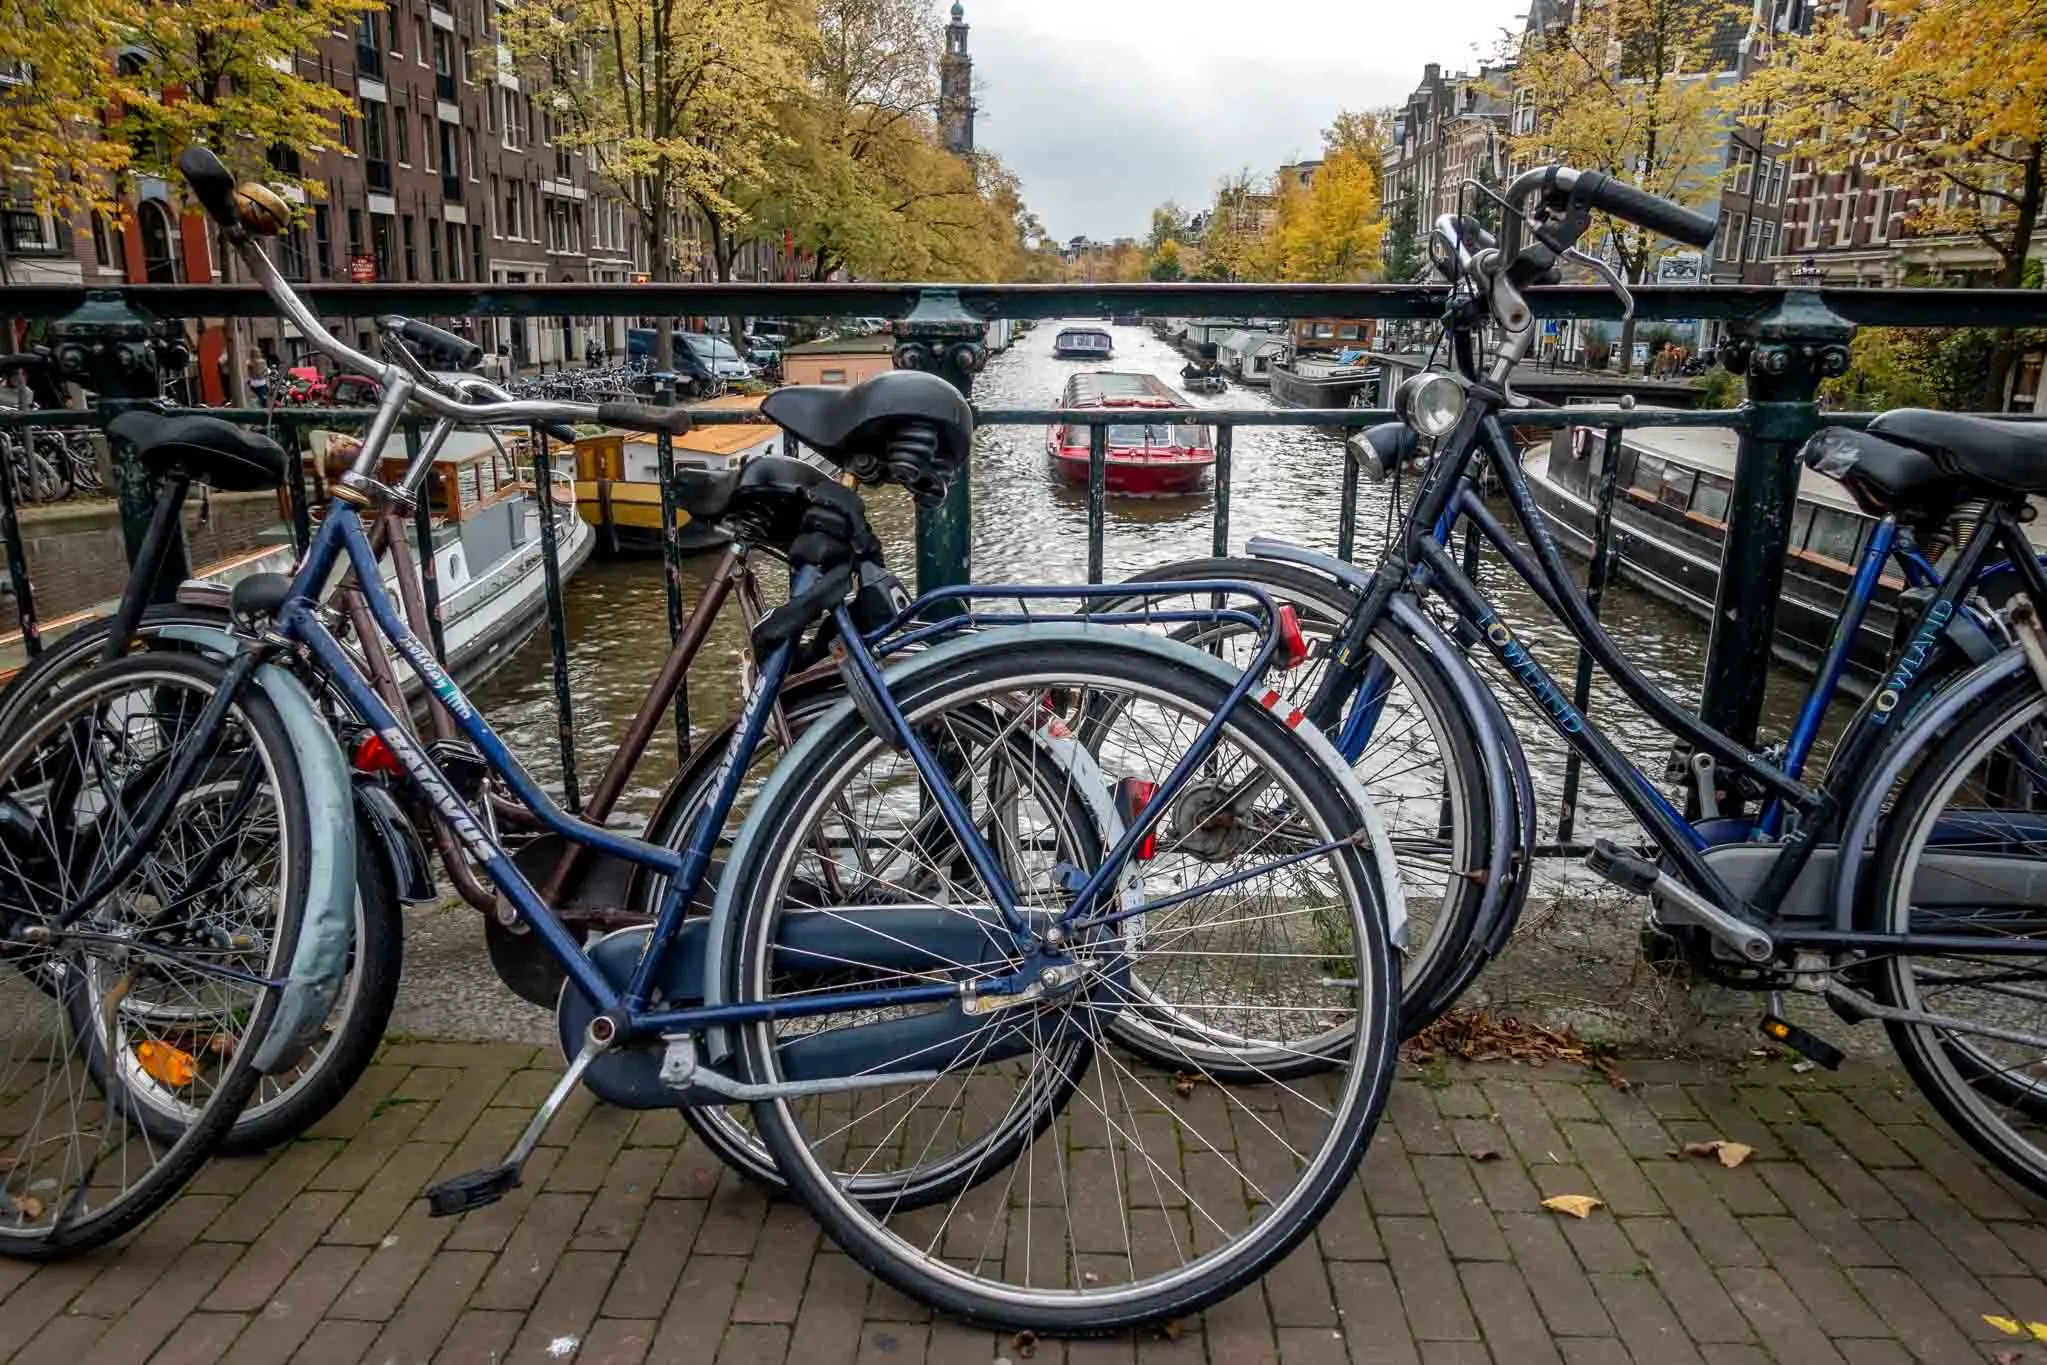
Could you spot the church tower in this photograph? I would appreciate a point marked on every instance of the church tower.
(956, 86)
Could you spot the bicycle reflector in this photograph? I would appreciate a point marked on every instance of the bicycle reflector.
(169, 1065)
(373, 755)
(1133, 794)
(1290, 647)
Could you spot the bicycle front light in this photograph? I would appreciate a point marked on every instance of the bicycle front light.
(1431, 403)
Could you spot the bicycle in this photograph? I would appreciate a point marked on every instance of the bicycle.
(974, 936)
(1930, 904)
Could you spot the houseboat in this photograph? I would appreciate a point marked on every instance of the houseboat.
(1144, 458)
(618, 485)
(1083, 343)
(1345, 379)
(1670, 504)
(1199, 338)
(1247, 357)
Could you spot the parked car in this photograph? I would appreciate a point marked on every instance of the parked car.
(717, 356)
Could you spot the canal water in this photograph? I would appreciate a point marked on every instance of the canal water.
(1028, 527)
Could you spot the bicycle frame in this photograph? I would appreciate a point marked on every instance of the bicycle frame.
(1421, 562)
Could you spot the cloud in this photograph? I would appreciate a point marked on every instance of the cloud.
(1106, 108)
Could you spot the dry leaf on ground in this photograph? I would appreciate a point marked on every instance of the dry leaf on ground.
(1577, 1205)
(1480, 1036)
(1730, 1154)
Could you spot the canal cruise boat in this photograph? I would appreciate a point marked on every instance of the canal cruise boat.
(1083, 343)
(1145, 458)
(1671, 494)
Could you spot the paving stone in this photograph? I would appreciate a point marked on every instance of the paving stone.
(1815, 1276)
(263, 1267)
(428, 1313)
(479, 1335)
(1527, 1124)
(694, 1326)
(1507, 1314)
(1616, 1178)
(1460, 1209)
(1830, 1224)
(1553, 1274)
(1968, 1239)
(1686, 1280)
(647, 1275)
(1430, 1291)
(1375, 1323)
(1779, 1318)
(1916, 1320)
(1653, 1334)
(297, 1307)
(1712, 1227)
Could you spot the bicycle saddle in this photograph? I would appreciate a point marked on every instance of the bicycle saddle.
(1882, 476)
(841, 424)
(206, 449)
(2011, 456)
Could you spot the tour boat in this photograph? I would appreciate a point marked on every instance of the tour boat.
(1144, 458)
(1082, 343)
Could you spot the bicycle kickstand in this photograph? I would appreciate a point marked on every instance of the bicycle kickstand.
(476, 1189)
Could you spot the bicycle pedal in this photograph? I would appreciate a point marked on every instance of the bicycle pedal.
(472, 1190)
(1805, 1043)
(1629, 871)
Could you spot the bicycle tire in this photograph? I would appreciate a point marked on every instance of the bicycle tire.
(722, 1128)
(66, 982)
(811, 783)
(371, 992)
(1962, 1083)
(1432, 976)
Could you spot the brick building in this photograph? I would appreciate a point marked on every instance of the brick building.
(447, 172)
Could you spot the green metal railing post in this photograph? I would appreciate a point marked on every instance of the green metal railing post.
(1785, 354)
(941, 336)
(119, 353)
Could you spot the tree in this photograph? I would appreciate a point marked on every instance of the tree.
(1330, 232)
(1402, 245)
(59, 154)
(1238, 225)
(670, 98)
(1633, 88)
(1165, 262)
(1168, 224)
(1947, 101)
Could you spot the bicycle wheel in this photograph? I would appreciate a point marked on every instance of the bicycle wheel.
(1419, 760)
(288, 1103)
(149, 998)
(1963, 854)
(983, 746)
(1151, 1194)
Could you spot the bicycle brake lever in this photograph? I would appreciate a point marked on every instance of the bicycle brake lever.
(1606, 273)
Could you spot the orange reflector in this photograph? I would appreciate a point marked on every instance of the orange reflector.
(1291, 648)
(373, 755)
(1133, 794)
(170, 1065)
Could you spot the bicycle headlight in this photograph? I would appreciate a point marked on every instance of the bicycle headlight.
(1431, 403)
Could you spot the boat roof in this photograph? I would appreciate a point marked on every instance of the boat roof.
(723, 438)
(1243, 340)
(1118, 389)
(1098, 329)
(1713, 450)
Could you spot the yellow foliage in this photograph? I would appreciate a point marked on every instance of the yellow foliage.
(1329, 232)
(1948, 98)
(1634, 88)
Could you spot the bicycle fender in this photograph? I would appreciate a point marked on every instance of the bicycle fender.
(1283, 552)
(1859, 827)
(1509, 790)
(396, 842)
(320, 963)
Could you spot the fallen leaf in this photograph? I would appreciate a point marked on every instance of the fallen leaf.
(1173, 1330)
(2009, 1357)
(1185, 1081)
(1025, 1343)
(1577, 1205)
(1730, 1154)
(1485, 1154)
(30, 1206)
(2009, 1326)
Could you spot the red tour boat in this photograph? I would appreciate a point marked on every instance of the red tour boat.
(1146, 457)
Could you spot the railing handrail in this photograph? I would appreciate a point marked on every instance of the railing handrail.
(1653, 303)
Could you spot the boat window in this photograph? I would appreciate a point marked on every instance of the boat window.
(1647, 475)
(1710, 498)
(1349, 331)
(1626, 474)
(1801, 524)
(1835, 535)
(1156, 435)
(1677, 486)
(1323, 329)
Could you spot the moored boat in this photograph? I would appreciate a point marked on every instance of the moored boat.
(1144, 458)
(618, 486)
(1083, 343)
(1312, 381)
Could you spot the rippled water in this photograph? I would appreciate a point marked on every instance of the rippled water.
(1030, 528)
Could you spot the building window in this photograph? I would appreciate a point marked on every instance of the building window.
(380, 244)
(405, 242)
(355, 232)
(422, 50)
(292, 254)
(1844, 229)
(102, 241)
(1756, 228)
(469, 153)
(347, 130)
(433, 249)
(159, 257)
(1880, 217)
(323, 240)
(401, 135)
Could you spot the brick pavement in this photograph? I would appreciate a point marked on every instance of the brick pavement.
(1859, 1233)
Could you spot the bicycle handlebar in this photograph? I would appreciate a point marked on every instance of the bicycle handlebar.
(1596, 189)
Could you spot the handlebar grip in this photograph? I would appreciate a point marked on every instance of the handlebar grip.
(559, 431)
(213, 184)
(1645, 210)
(639, 417)
(442, 348)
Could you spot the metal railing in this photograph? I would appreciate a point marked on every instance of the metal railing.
(1788, 339)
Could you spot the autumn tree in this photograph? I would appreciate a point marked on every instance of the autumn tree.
(1330, 231)
(1945, 100)
(669, 97)
(1239, 224)
(1638, 89)
(59, 155)
(1168, 224)
(1165, 262)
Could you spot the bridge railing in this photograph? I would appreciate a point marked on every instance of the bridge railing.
(1786, 342)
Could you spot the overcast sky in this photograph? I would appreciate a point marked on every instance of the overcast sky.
(1106, 108)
